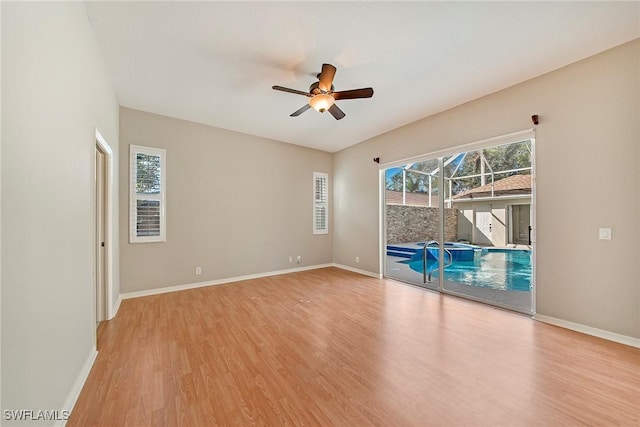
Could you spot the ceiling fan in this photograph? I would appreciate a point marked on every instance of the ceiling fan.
(321, 94)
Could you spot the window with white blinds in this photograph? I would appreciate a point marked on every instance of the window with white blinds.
(320, 203)
(147, 181)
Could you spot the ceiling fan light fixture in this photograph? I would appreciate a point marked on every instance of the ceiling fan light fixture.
(321, 95)
(321, 102)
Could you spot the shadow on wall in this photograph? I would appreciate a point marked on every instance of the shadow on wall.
(465, 227)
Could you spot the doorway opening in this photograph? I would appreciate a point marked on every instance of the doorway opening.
(103, 221)
(100, 269)
(520, 224)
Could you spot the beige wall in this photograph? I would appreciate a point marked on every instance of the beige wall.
(589, 121)
(55, 93)
(252, 196)
(236, 204)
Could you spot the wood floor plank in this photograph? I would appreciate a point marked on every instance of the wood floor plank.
(331, 347)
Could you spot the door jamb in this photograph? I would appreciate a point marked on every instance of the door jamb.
(105, 148)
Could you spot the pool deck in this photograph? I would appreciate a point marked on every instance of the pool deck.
(420, 245)
(516, 300)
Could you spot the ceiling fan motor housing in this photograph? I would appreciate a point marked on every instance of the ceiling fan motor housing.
(315, 89)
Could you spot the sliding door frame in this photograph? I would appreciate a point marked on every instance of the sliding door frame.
(527, 134)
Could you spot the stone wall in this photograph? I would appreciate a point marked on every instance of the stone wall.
(418, 224)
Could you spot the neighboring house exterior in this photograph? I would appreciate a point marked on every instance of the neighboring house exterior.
(496, 215)
(490, 215)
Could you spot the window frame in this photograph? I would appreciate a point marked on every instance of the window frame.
(316, 204)
(134, 150)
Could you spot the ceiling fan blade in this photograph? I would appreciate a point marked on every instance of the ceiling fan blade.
(286, 89)
(326, 77)
(300, 111)
(336, 112)
(366, 92)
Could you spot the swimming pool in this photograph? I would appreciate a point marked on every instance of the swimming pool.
(505, 269)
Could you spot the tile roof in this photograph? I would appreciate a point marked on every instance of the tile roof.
(512, 185)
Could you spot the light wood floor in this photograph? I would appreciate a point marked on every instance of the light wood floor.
(330, 347)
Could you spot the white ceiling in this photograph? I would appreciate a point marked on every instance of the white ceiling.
(215, 62)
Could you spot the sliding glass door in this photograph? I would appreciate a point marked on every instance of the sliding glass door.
(492, 259)
(413, 222)
(462, 224)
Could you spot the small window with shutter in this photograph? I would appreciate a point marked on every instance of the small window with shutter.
(147, 178)
(320, 203)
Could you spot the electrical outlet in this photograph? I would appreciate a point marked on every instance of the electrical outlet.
(604, 234)
(290, 259)
(198, 271)
(298, 259)
(357, 259)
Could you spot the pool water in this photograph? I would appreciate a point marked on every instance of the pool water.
(505, 269)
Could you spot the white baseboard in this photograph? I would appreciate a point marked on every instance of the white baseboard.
(177, 288)
(600, 333)
(77, 386)
(114, 310)
(357, 270)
